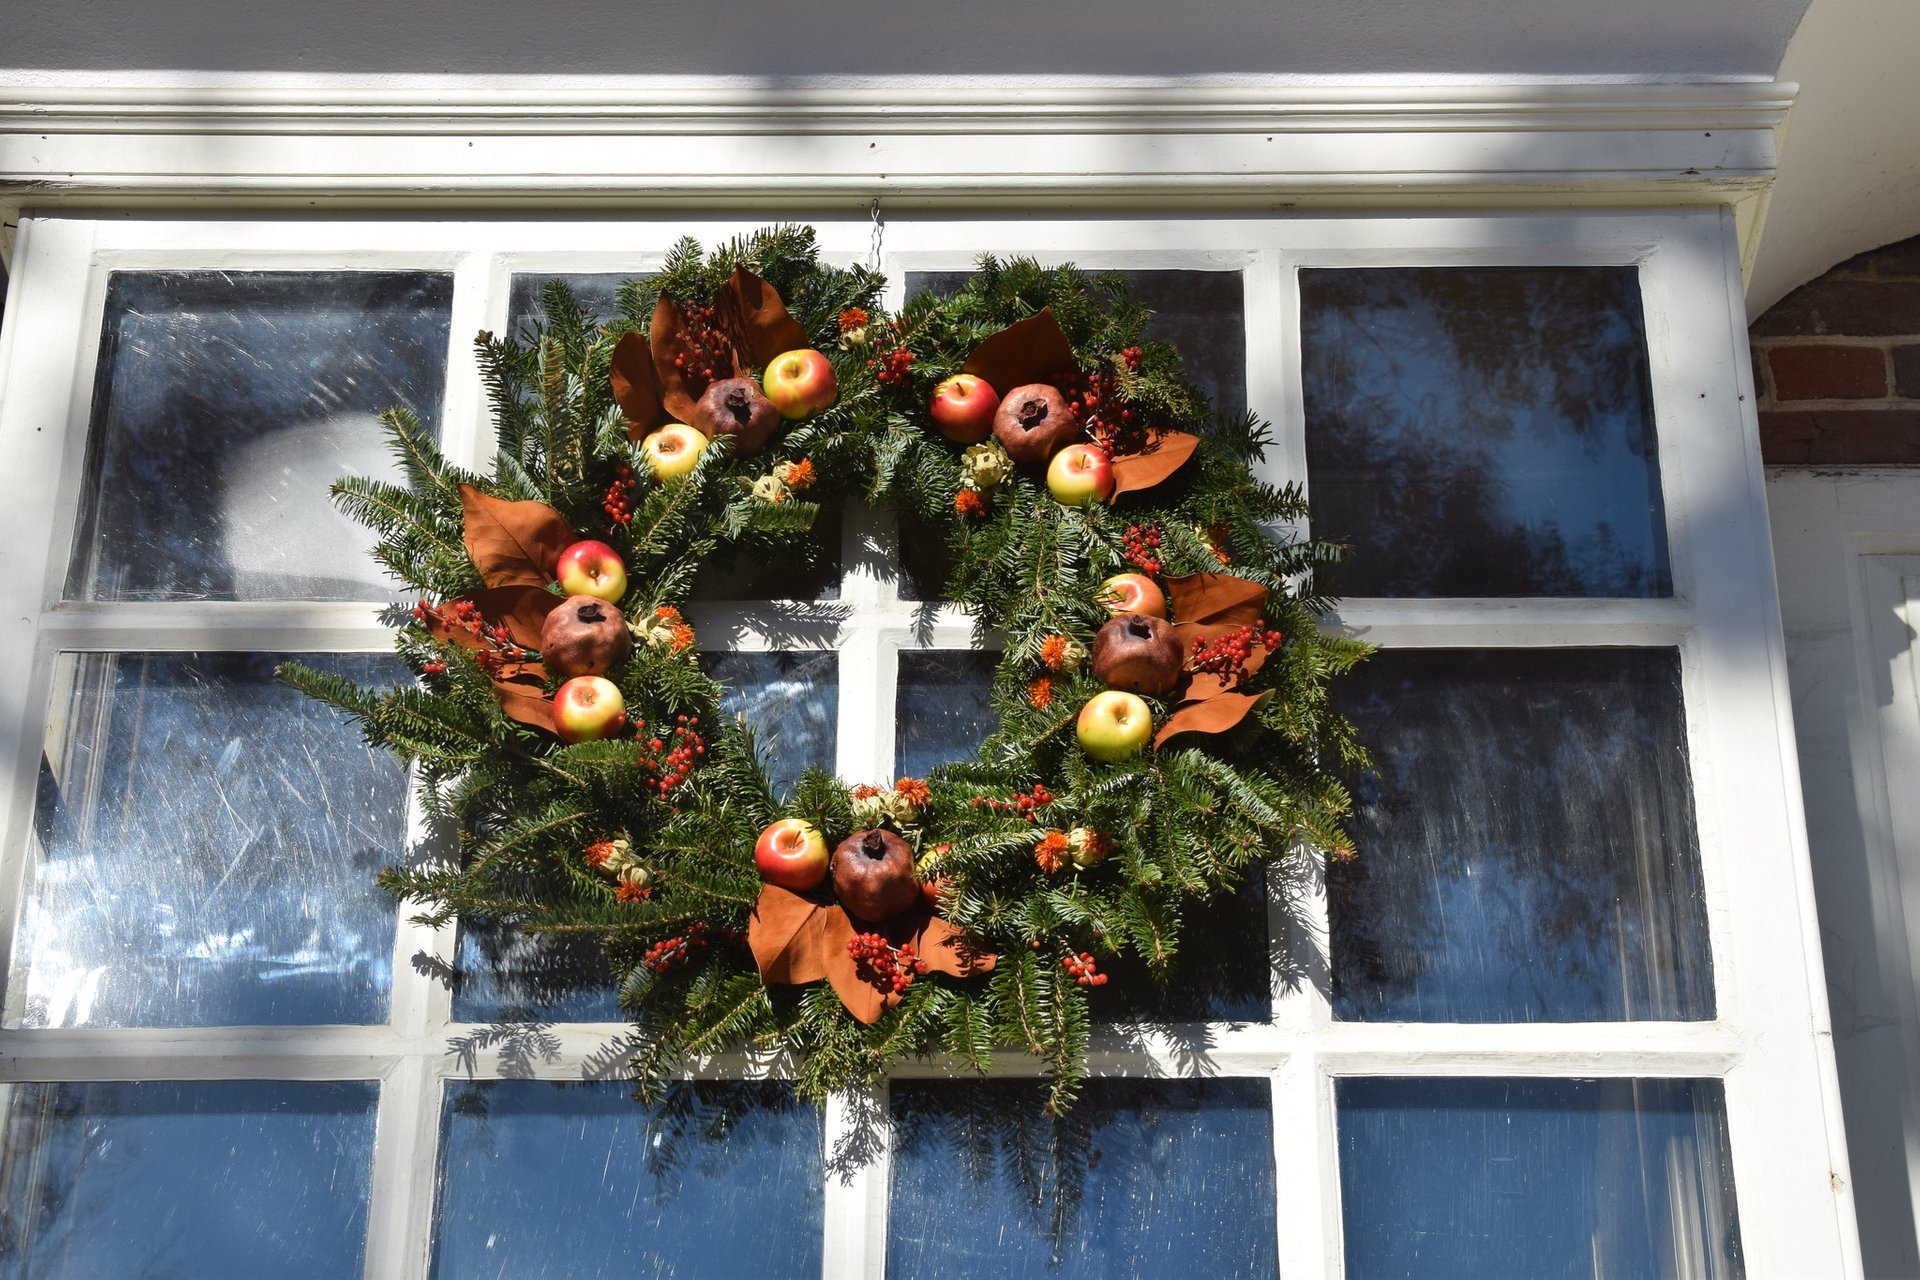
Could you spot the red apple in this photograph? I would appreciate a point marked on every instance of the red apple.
(800, 383)
(792, 854)
(592, 569)
(588, 708)
(1079, 475)
(1134, 593)
(963, 407)
(1114, 725)
(673, 450)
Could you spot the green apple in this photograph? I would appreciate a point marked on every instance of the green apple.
(673, 450)
(1114, 725)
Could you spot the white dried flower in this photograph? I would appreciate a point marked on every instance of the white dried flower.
(769, 489)
(1087, 847)
(985, 465)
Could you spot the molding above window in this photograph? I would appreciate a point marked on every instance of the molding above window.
(510, 141)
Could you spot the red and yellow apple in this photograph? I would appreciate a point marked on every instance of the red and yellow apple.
(1133, 593)
(1080, 475)
(673, 450)
(963, 407)
(1114, 725)
(592, 569)
(792, 854)
(800, 383)
(588, 708)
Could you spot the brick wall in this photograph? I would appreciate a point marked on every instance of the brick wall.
(1837, 365)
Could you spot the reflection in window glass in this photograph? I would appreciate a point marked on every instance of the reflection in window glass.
(942, 714)
(1483, 431)
(597, 293)
(224, 405)
(541, 1179)
(1201, 313)
(194, 1178)
(1140, 1178)
(209, 839)
(1537, 1178)
(792, 701)
(1527, 847)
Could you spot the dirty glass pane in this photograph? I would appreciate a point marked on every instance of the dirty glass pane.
(224, 405)
(942, 715)
(1548, 1179)
(792, 700)
(186, 1178)
(596, 292)
(1202, 313)
(208, 843)
(543, 1179)
(1140, 1178)
(1527, 848)
(1483, 431)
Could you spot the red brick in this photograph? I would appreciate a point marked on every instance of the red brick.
(1840, 437)
(1844, 308)
(1828, 373)
(1906, 372)
(1899, 261)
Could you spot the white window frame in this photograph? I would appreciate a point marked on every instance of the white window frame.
(1768, 1042)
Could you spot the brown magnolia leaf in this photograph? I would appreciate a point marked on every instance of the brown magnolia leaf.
(1030, 350)
(756, 321)
(786, 934)
(1164, 453)
(523, 609)
(1214, 715)
(862, 996)
(1218, 598)
(636, 386)
(947, 950)
(522, 697)
(668, 336)
(513, 543)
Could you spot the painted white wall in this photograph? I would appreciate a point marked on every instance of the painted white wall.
(1827, 527)
(1850, 161)
(860, 38)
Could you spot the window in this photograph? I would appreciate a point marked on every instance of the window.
(1573, 955)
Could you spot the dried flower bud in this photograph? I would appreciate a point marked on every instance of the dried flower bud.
(870, 810)
(985, 465)
(769, 489)
(1088, 847)
(636, 875)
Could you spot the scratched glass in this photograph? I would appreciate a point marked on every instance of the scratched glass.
(208, 839)
(792, 702)
(942, 715)
(224, 405)
(1201, 313)
(1140, 1178)
(1483, 431)
(1548, 1179)
(595, 292)
(186, 1178)
(1527, 846)
(544, 1179)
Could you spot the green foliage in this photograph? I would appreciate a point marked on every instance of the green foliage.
(542, 830)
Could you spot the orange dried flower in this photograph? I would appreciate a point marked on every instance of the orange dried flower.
(598, 852)
(1040, 693)
(1051, 852)
(681, 634)
(1217, 542)
(800, 475)
(863, 791)
(1055, 651)
(853, 318)
(913, 791)
(630, 892)
(969, 502)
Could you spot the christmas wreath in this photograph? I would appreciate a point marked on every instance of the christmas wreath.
(1162, 688)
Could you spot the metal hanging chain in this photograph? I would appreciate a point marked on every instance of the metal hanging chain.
(879, 234)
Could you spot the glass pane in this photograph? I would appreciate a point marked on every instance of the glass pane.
(540, 1179)
(192, 1178)
(1538, 1178)
(1483, 431)
(1141, 1178)
(806, 569)
(225, 405)
(598, 292)
(209, 838)
(942, 714)
(793, 701)
(1202, 313)
(1527, 848)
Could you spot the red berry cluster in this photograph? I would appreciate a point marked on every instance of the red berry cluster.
(465, 615)
(1142, 547)
(673, 756)
(1023, 803)
(1095, 399)
(708, 354)
(1228, 655)
(892, 368)
(617, 501)
(1081, 967)
(664, 952)
(895, 966)
(1131, 357)
(433, 668)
